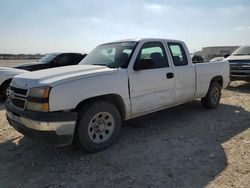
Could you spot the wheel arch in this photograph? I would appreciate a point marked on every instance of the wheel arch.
(218, 79)
(114, 99)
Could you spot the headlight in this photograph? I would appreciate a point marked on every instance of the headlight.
(38, 99)
(39, 92)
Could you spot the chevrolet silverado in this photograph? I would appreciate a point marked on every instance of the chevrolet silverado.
(117, 81)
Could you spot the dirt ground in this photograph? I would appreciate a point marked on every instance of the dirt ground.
(11, 63)
(184, 146)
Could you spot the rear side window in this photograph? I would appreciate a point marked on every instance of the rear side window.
(178, 54)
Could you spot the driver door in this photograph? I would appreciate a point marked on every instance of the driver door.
(153, 88)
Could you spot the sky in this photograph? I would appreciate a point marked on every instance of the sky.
(43, 26)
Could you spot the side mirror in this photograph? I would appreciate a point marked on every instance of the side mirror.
(226, 55)
(144, 64)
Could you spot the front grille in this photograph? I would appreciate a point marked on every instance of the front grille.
(18, 97)
(19, 91)
(239, 64)
(240, 67)
(239, 61)
(20, 103)
(240, 74)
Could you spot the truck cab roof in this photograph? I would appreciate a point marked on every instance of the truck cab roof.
(144, 40)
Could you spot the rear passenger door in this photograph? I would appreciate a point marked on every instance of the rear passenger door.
(151, 89)
(184, 73)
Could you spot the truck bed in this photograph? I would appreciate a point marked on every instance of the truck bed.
(207, 70)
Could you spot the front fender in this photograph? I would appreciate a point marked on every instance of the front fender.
(68, 95)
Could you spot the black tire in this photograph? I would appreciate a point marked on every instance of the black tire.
(212, 99)
(4, 88)
(92, 112)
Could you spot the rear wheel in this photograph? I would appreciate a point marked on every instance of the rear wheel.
(99, 126)
(212, 99)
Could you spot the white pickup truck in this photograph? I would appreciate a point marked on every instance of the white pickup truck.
(116, 81)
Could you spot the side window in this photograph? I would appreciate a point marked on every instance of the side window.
(64, 60)
(178, 54)
(154, 51)
(77, 58)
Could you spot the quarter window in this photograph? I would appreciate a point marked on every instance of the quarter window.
(178, 54)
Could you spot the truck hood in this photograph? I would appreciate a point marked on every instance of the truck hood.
(55, 76)
(240, 57)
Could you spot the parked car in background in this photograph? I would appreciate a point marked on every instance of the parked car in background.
(198, 59)
(6, 75)
(217, 59)
(51, 60)
(117, 81)
(239, 63)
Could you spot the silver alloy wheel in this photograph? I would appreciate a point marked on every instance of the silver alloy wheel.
(101, 127)
(215, 95)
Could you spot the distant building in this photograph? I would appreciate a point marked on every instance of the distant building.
(216, 51)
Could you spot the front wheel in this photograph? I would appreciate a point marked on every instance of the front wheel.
(212, 99)
(99, 126)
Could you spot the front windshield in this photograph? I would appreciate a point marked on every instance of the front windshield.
(48, 58)
(244, 50)
(113, 55)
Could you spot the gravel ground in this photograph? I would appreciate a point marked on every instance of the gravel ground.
(184, 146)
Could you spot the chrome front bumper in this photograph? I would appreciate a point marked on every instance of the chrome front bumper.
(60, 128)
(56, 128)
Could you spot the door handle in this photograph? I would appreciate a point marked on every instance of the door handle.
(170, 75)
